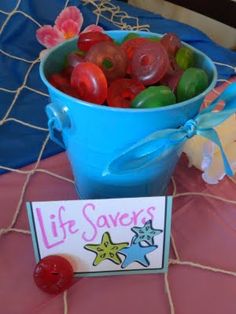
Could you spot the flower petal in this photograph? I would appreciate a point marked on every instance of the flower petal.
(70, 13)
(93, 28)
(49, 36)
(69, 29)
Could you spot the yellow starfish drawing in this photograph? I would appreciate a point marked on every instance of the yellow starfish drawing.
(106, 250)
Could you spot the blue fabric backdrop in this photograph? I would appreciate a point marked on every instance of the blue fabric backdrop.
(19, 78)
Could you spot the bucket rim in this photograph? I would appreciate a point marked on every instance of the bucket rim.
(202, 95)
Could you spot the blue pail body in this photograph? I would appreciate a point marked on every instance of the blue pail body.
(94, 135)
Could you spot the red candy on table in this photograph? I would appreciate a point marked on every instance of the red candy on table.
(53, 274)
(110, 58)
(88, 39)
(129, 47)
(171, 43)
(150, 63)
(121, 92)
(90, 82)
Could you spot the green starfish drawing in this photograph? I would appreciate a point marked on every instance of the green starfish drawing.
(106, 250)
(145, 233)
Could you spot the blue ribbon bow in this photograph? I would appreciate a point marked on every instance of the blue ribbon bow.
(163, 142)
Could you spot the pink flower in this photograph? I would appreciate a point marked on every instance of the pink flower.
(67, 25)
(49, 36)
(69, 22)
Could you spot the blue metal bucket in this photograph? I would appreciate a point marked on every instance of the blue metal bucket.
(95, 135)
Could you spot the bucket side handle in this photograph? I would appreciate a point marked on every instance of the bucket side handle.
(58, 120)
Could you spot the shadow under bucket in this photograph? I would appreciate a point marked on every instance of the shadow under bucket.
(95, 135)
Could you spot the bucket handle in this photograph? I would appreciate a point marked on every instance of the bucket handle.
(58, 120)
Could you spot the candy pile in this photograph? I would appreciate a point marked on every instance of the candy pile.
(139, 72)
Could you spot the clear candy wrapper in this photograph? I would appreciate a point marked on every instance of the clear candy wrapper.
(206, 156)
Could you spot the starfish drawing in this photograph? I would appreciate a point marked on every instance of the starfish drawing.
(106, 250)
(136, 253)
(145, 233)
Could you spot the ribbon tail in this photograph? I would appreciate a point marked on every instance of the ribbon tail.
(151, 149)
(212, 135)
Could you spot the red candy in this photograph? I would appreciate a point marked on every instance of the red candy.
(110, 58)
(66, 72)
(88, 39)
(61, 81)
(129, 46)
(121, 92)
(171, 79)
(74, 58)
(53, 274)
(150, 63)
(172, 76)
(90, 82)
(58, 80)
(171, 43)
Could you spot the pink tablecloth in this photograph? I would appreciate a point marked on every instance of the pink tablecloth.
(202, 269)
(201, 276)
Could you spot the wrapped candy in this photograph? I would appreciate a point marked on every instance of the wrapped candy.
(206, 156)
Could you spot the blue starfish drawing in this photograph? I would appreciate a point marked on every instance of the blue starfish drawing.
(136, 253)
(145, 233)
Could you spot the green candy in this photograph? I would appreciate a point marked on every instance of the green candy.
(153, 38)
(154, 96)
(184, 58)
(192, 83)
(130, 36)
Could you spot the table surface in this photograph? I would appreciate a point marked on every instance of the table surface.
(201, 276)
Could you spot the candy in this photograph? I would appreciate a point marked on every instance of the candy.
(74, 58)
(122, 74)
(193, 82)
(88, 39)
(110, 58)
(121, 92)
(150, 62)
(154, 96)
(58, 80)
(171, 43)
(129, 46)
(130, 36)
(184, 58)
(172, 76)
(171, 79)
(53, 274)
(62, 82)
(153, 38)
(66, 72)
(90, 82)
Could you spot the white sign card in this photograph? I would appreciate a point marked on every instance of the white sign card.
(105, 236)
